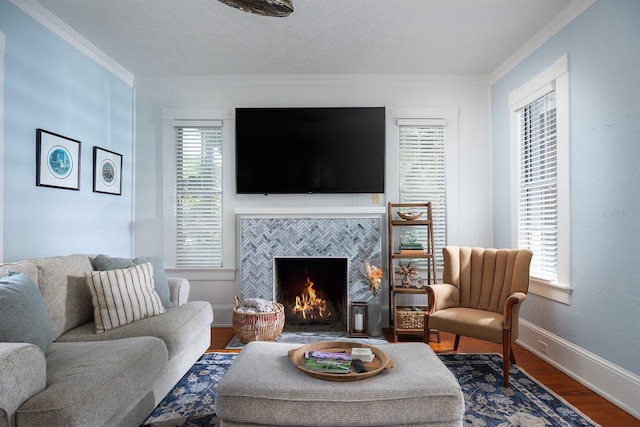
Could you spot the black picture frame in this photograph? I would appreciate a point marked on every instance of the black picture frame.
(57, 161)
(107, 171)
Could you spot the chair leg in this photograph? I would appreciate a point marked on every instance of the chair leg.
(507, 356)
(425, 334)
(456, 342)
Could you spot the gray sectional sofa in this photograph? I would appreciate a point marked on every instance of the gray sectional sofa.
(77, 377)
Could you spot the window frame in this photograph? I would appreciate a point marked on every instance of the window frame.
(171, 118)
(215, 195)
(450, 115)
(555, 77)
(426, 123)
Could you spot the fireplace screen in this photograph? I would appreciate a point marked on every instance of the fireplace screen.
(313, 291)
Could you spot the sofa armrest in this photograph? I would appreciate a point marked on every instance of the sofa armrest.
(179, 290)
(23, 374)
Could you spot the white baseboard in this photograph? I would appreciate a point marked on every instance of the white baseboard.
(222, 316)
(610, 381)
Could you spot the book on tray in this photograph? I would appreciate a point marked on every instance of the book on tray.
(324, 361)
(364, 354)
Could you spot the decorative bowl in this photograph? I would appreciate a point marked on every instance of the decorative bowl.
(409, 216)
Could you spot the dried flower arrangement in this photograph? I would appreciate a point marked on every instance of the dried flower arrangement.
(373, 276)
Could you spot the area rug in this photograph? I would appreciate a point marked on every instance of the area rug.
(311, 337)
(527, 403)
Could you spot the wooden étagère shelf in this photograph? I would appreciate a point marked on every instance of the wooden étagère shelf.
(408, 217)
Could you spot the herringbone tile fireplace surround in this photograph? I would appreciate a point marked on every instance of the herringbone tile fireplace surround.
(262, 239)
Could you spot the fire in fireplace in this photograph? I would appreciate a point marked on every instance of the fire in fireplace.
(313, 291)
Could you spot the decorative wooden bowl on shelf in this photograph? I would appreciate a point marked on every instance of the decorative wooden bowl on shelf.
(409, 216)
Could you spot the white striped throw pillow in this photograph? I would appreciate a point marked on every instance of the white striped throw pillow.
(123, 296)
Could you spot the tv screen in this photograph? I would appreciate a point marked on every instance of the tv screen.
(310, 150)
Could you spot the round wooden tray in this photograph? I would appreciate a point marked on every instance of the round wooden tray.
(377, 365)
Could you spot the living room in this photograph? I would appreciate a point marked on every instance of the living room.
(55, 80)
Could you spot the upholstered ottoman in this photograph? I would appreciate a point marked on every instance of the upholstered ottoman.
(263, 388)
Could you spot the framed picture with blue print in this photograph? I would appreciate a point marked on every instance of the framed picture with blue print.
(57, 161)
(107, 171)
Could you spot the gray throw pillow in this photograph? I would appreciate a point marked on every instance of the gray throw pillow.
(161, 283)
(23, 313)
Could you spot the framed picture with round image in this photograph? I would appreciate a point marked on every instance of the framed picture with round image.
(419, 282)
(107, 171)
(57, 161)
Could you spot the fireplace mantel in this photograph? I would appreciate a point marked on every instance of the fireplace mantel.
(263, 237)
(310, 211)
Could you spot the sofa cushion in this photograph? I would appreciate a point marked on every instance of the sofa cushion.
(88, 382)
(160, 281)
(21, 267)
(23, 314)
(67, 304)
(178, 327)
(123, 296)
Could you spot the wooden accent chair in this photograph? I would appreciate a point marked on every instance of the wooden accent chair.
(480, 296)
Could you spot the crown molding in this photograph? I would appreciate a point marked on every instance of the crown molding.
(550, 29)
(68, 34)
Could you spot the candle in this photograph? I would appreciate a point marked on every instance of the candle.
(359, 322)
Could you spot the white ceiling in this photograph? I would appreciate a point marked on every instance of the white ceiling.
(167, 38)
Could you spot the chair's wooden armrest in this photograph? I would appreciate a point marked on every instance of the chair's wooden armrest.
(441, 296)
(512, 308)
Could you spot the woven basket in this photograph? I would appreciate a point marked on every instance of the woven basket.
(409, 318)
(258, 326)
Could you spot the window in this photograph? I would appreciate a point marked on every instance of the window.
(422, 175)
(540, 185)
(198, 196)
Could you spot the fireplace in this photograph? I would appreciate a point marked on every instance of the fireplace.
(314, 292)
(351, 239)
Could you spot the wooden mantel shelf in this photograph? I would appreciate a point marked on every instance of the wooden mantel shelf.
(321, 211)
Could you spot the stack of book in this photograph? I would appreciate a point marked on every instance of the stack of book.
(411, 249)
(364, 354)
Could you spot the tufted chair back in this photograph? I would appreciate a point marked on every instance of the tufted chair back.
(486, 277)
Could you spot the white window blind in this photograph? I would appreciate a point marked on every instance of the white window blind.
(537, 213)
(198, 196)
(422, 177)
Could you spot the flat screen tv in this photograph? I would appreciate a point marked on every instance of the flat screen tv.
(310, 150)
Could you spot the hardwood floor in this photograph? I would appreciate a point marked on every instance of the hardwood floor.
(591, 404)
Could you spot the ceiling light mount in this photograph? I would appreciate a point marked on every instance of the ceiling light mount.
(262, 7)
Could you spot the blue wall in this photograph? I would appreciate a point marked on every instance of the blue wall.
(51, 85)
(603, 44)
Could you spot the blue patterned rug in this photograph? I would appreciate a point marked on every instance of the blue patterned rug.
(527, 403)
